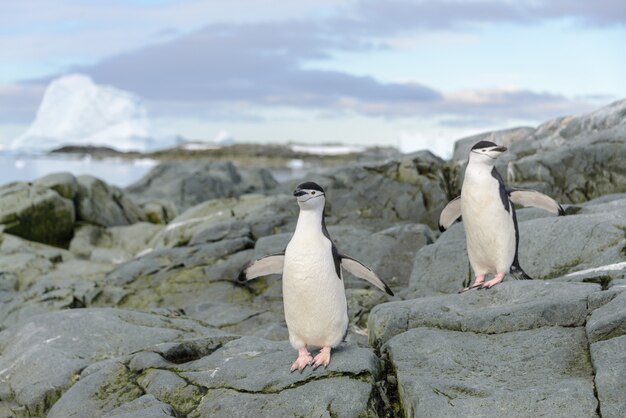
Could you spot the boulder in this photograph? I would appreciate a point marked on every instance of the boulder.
(609, 363)
(249, 215)
(63, 183)
(239, 378)
(188, 183)
(573, 158)
(508, 307)
(36, 213)
(380, 195)
(45, 355)
(505, 137)
(159, 211)
(101, 204)
(539, 372)
(115, 244)
(550, 247)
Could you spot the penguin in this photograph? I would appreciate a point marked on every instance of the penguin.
(314, 297)
(486, 207)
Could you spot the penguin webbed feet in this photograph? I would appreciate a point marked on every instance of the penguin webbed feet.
(472, 287)
(304, 359)
(480, 284)
(322, 359)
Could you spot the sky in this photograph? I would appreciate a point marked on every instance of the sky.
(411, 74)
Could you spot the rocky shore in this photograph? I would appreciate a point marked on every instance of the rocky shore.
(122, 302)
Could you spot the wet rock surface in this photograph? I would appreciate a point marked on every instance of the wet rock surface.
(130, 309)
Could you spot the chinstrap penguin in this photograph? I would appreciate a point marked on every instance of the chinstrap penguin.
(486, 205)
(314, 296)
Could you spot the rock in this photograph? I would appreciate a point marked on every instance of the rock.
(181, 277)
(44, 355)
(188, 183)
(261, 216)
(508, 307)
(36, 213)
(101, 204)
(390, 252)
(505, 137)
(26, 261)
(159, 211)
(550, 247)
(540, 372)
(144, 406)
(574, 173)
(115, 244)
(63, 183)
(413, 189)
(609, 320)
(242, 377)
(609, 362)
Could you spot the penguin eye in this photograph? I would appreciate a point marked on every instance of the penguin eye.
(313, 192)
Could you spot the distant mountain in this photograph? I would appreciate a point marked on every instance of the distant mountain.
(76, 111)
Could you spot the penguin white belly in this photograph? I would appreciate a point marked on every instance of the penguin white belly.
(489, 230)
(314, 297)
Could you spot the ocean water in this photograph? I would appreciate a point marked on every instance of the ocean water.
(115, 171)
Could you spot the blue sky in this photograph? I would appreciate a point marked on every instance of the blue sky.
(414, 74)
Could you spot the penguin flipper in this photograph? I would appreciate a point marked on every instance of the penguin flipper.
(361, 271)
(535, 199)
(270, 264)
(450, 213)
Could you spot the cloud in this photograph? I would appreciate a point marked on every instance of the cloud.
(259, 64)
(387, 16)
(246, 66)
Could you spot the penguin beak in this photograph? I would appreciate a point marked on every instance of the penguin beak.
(299, 192)
(499, 149)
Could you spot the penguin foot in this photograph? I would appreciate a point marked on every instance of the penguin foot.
(323, 358)
(303, 360)
(474, 286)
(491, 283)
(478, 282)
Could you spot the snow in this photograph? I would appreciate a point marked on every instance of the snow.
(608, 267)
(327, 149)
(76, 111)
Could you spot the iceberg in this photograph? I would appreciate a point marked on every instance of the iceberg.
(77, 111)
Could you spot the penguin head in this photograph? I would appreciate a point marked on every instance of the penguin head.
(310, 196)
(486, 152)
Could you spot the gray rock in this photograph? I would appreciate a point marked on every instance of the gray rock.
(236, 378)
(72, 284)
(413, 189)
(574, 173)
(36, 213)
(44, 355)
(511, 306)
(609, 362)
(159, 211)
(27, 261)
(263, 215)
(101, 204)
(63, 183)
(182, 277)
(550, 247)
(115, 244)
(609, 320)
(145, 406)
(573, 158)
(543, 372)
(188, 183)
(505, 137)
(229, 229)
